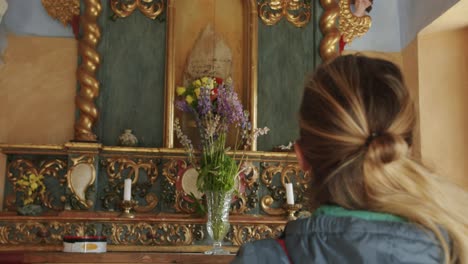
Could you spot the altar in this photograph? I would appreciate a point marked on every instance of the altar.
(132, 57)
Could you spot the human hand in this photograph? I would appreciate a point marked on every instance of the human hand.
(360, 7)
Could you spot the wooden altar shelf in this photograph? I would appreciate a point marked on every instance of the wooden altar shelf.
(74, 147)
(114, 257)
(145, 233)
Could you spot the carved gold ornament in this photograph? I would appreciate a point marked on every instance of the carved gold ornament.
(80, 177)
(62, 10)
(20, 168)
(331, 34)
(351, 26)
(51, 232)
(151, 234)
(246, 233)
(86, 73)
(149, 8)
(116, 167)
(287, 173)
(297, 12)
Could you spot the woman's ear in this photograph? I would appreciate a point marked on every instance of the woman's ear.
(305, 166)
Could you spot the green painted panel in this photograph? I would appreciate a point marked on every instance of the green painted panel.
(132, 76)
(286, 54)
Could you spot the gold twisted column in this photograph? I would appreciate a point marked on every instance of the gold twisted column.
(89, 85)
(331, 35)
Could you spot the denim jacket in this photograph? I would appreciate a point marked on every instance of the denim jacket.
(337, 235)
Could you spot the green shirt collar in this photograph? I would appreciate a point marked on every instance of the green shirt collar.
(338, 211)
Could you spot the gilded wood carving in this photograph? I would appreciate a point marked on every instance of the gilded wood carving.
(241, 234)
(86, 73)
(289, 173)
(297, 12)
(351, 26)
(89, 86)
(120, 168)
(62, 10)
(50, 232)
(150, 8)
(23, 168)
(80, 177)
(331, 34)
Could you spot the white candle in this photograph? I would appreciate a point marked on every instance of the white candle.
(289, 193)
(128, 190)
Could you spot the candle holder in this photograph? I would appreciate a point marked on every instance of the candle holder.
(127, 206)
(292, 209)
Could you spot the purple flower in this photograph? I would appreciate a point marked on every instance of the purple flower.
(183, 106)
(229, 106)
(204, 102)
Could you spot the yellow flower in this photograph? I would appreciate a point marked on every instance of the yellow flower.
(197, 83)
(205, 80)
(211, 84)
(180, 90)
(189, 99)
(197, 92)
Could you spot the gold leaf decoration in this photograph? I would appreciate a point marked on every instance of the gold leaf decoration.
(26, 168)
(297, 12)
(150, 8)
(331, 34)
(86, 73)
(62, 10)
(351, 26)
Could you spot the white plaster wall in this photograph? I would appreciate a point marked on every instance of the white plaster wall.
(395, 23)
(414, 15)
(28, 17)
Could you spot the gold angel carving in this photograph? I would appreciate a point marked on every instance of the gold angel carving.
(355, 24)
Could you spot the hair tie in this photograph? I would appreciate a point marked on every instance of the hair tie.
(371, 137)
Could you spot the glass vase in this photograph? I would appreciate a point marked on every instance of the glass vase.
(218, 205)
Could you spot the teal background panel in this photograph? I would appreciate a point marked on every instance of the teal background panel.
(131, 76)
(286, 55)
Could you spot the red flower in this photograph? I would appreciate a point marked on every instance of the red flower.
(219, 80)
(214, 94)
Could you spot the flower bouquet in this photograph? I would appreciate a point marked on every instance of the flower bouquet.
(217, 110)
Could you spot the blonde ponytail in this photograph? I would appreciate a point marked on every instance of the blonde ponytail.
(357, 120)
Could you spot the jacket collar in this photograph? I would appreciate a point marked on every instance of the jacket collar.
(333, 210)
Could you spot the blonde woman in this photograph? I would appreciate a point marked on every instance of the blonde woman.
(376, 203)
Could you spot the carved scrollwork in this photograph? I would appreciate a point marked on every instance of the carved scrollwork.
(171, 169)
(251, 173)
(150, 8)
(42, 233)
(290, 173)
(246, 233)
(22, 168)
(81, 176)
(239, 205)
(267, 202)
(297, 12)
(119, 169)
(151, 234)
